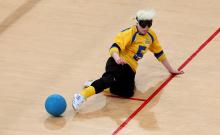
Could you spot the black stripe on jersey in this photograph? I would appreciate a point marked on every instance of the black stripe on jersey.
(133, 37)
(157, 55)
(116, 45)
(125, 29)
(152, 38)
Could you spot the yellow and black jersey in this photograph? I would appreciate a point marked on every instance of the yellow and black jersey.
(131, 46)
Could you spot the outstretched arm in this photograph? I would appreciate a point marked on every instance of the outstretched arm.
(167, 65)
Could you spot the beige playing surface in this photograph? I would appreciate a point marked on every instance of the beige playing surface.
(54, 46)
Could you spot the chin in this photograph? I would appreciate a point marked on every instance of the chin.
(144, 32)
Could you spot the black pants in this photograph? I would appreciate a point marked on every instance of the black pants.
(119, 78)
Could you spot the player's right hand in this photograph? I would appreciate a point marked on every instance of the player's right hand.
(120, 61)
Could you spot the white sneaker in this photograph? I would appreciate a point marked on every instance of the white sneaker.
(78, 99)
(88, 83)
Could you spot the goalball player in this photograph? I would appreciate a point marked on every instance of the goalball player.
(128, 48)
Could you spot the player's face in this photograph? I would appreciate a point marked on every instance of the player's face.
(142, 30)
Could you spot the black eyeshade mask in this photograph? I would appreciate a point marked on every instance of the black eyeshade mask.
(144, 23)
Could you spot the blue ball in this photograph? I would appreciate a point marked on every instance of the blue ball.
(55, 104)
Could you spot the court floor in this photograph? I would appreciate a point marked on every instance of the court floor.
(54, 46)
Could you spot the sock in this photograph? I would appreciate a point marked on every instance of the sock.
(87, 92)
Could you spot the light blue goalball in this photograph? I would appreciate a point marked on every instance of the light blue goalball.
(55, 105)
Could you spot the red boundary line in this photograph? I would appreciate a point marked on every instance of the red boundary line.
(165, 83)
(137, 99)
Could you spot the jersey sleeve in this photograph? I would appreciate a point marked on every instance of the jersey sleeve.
(121, 40)
(156, 48)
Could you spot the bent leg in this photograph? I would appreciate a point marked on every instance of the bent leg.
(104, 82)
(124, 85)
